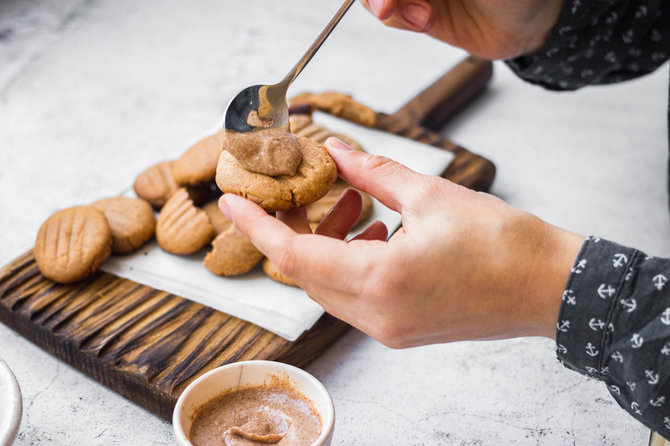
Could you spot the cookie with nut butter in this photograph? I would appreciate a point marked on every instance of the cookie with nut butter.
(314, 176)
(198, 164)
(156, 184)
(232, 254)
(131, 221)
(271, 152)
(72, 244)
(182, 228)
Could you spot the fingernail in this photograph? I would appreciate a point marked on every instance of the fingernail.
(225, 209)
(417, 15)
(337, 144)
(376, 6)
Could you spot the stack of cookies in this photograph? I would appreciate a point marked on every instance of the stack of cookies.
(73, 243)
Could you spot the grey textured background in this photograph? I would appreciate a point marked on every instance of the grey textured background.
(93, 91)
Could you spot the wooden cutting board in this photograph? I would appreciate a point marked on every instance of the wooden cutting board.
(148, 345)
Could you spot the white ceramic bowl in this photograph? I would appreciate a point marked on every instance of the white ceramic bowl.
(10, 405)
(245, 374)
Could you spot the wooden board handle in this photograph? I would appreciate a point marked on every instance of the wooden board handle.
(435, 105)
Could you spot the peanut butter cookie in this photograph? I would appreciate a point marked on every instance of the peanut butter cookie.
(219, 221)
(316, 174)
(320, 134)
(131, 221)
(299, 122)
(198, 164)
(156, 184)
(72, 244)
(232, 254)
(317, 210)
(182, 228)
(339, 104)
(273, 273)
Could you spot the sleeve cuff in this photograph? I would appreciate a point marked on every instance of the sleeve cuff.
(584, 325)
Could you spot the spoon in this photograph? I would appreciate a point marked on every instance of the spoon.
(264, 106)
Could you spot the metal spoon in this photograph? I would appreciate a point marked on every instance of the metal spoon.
(265, 106)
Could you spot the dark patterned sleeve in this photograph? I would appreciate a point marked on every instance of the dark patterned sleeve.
(614, 326)
(598, 42)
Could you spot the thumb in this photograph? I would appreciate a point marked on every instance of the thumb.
(382, 9)
(395, 185)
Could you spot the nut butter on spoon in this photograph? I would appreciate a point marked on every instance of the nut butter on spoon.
(256, 120)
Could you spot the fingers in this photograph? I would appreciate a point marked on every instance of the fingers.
(296, 219)
(343, 216)
(376, 231)
(267, 233)
(311, 260)
(393, 184)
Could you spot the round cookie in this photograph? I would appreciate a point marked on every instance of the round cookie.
(181, 227)
(338, 104)
(232, 254)
(349, 141)
(156, 184)
(198, 164)
(219, 221)
(316, 174)
(72, 244)
(131, 221)
(311, 130)
(320, 134)
(299, 122)
(319, 209)
(273, 273)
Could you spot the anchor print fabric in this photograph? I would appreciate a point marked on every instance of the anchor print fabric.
(614, 326)
(614, 322)
(599, 42)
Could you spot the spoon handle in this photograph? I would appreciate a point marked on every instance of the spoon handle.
(290, 77)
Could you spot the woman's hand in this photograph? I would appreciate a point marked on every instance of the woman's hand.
(492, 29)
(464, 265)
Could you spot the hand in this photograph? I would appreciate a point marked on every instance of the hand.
(492, 29)
(464, 265)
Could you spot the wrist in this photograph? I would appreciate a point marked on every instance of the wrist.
(551, 253)
(561, 250)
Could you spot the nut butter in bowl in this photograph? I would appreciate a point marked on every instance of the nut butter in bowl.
(254, 403)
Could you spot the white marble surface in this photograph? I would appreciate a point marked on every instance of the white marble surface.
(93, 91)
